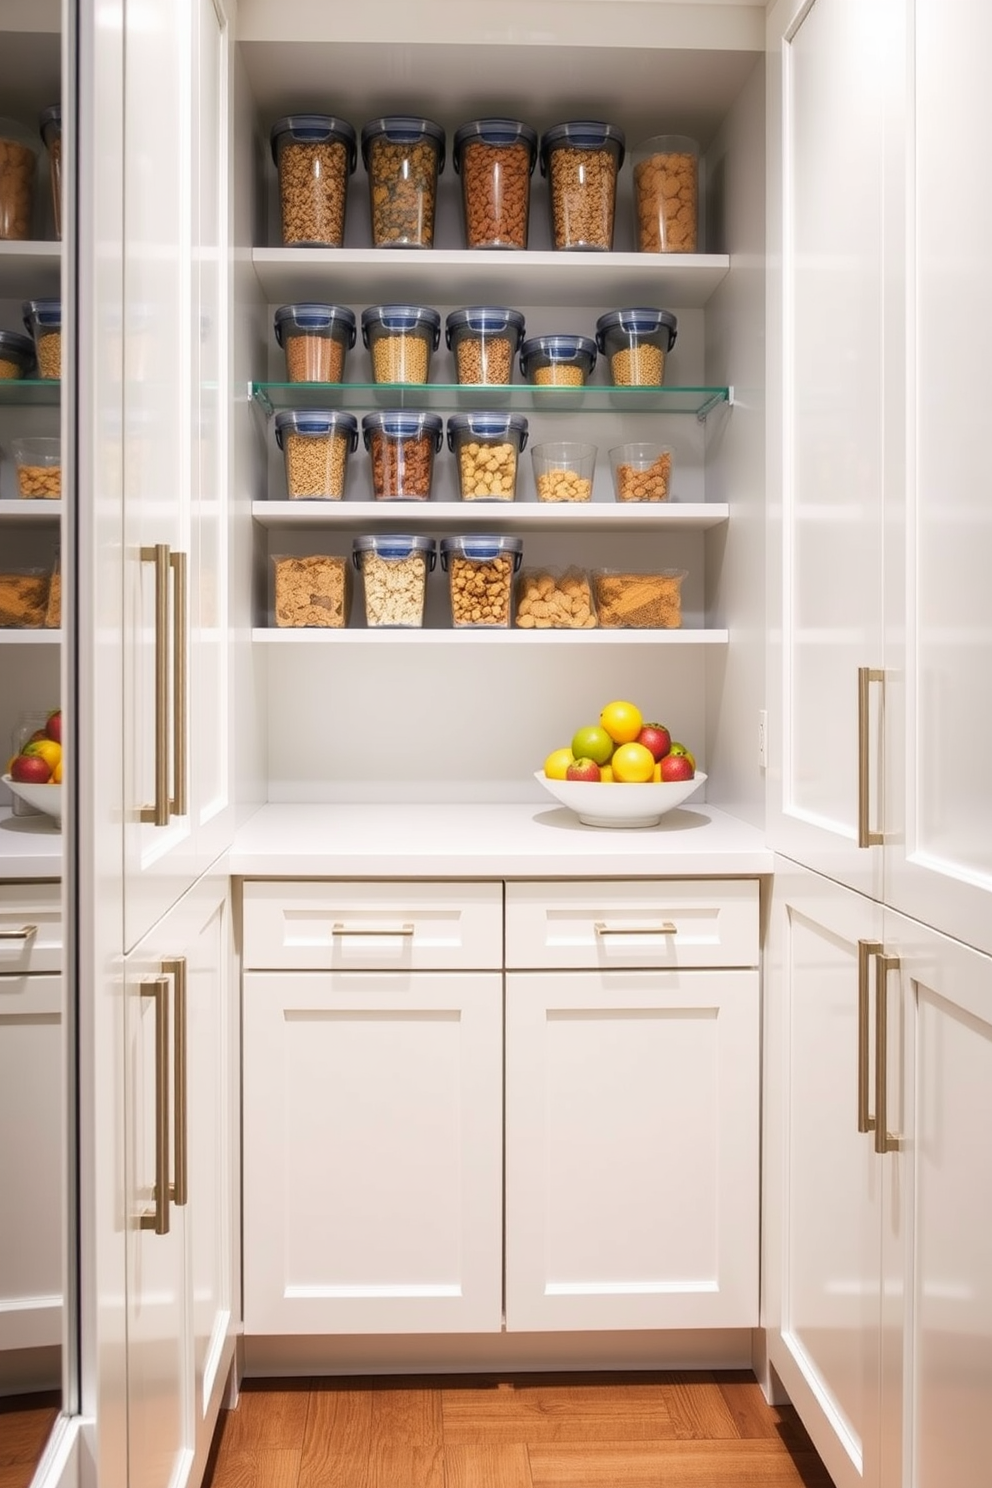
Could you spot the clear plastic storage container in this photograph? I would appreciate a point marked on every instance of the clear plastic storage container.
(666, 194)
(316, 444)
(402, 444)
(314, 155)
(311, 591)
(50, 127)
(43, 318)
(636, 344)
(641, 472)
(582, 160)
(394, 571)
(39, 467)
(480, 572)
(16, 356)
(316, 339)
(401, 340)
(485, 340)
(404, 157)
(19, 151)
(563, 470)
(487, 447)
(638, 601)
(495, 158)
(558, 361)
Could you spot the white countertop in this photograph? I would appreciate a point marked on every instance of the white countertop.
(471, 841)
(30, 846)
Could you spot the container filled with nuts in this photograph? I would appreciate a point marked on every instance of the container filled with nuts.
(314, 155)
(487, 447)
(394, 571)
(16, 356)
(635, 344)
(401, 340)
(316, 339)
(19, 151)
(43, 318)
(563, 470)
(666, 194)
(39, 468)
(495, 158)
(548, 599)
(402, 444)
(641, 472)
(485, 340)
(311, 591)
(558, 361)
(404, 157)
(50, 128)
(316, 444)
(582, 159)
(480, 572)
(638, 601)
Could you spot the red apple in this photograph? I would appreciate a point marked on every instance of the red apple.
(678, 748)
(583, 769)
(30, 769)
(53, 728)
(655, 736)
(676, 767)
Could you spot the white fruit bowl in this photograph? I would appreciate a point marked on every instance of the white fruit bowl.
(620, 805)
(46, 798)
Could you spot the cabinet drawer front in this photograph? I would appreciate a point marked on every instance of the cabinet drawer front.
(373, 926)
(677, 924)
(30, 927)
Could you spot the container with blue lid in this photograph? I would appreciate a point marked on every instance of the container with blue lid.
(485, 340)
(480, 571)
(636, 343)
(316, 443)
(404, 156)
(16, 356)
(559, 360)
(402, 444)
(43, 318)
(401, 339)
(487, 447)
(314, 154)
(582, 159)
(495, 158)
(394, 567)
(316, 338)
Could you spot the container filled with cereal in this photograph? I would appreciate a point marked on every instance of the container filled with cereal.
(641, 471)
(480, 572)
(43, 318)
(16, 356)
(495, 158)
(19, 151)
(563, 470)
(666, 194)
(487, 447)
(552, 599)
(404, 157)
(485, 340)
(635, 344)
(402, 444)
(39, 467)
(558, 361)
(394, 571)
(316, 339)
(316, 444)
(313, 590)
(638, 601)
(582, 160)
(401, 340)
(314, 155)
(50, 128)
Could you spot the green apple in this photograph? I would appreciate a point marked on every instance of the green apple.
(594, 743)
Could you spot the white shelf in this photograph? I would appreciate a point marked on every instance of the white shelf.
(361, 276)
(29, 270)
(30, 637)
(470, 636)
(496, 516)
(30, 846)
(30, 513)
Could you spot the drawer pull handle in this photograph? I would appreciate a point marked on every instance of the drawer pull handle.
(401, 930)
(176, 968)
(158, 814)
(884, 1140)
(24, 933)
(866, 949)
(158, 1219)
(867, 835)
(664, 928)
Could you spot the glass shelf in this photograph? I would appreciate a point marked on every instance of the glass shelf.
(28, 392)
(516, 398)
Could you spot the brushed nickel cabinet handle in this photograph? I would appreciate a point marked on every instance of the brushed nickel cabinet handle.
(400, 930)
(176, 968)
(158, 1219)
(24, 933)
(867, 837)
(884, 1140)
(866, 949)
(158, 814)
(665, 927)
(180, 764)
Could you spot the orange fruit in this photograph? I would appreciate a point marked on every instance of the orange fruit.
(632, 763)
(557, 763)
(57, 774)
(622, 721)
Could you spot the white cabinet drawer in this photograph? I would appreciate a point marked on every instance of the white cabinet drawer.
(30, 927)
(677, 924)
(317, 926)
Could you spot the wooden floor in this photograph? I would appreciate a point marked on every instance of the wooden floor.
(25, 1423)
(696, 1430)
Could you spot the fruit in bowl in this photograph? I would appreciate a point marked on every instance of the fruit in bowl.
(609, 804)
(35, 773)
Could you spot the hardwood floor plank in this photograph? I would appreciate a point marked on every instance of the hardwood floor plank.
(24, 1430)
(755, 1418)
(688, 1464)
(270, 1413)
(697, 1409)
(490, 1465)
(558, 1408)
(407, 1414)
(257, 1467)
(337, 1443)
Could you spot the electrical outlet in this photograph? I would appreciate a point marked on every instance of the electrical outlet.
(762, 739)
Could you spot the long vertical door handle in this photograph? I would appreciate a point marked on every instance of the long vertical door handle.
(158, 1220)
(867, 837)
(180, 635)
(866, 949)
(884, 1141)
(158, 814)
(176, 969)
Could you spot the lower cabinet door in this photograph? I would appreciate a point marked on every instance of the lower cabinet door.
(631, 1150)
(372, 1152)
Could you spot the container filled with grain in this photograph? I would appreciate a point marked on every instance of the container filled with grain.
(558, 361)
(404, 157)
(311, 591)
(581, 160)
(495, 159)
(636, 343)
(402, 444)
(485, 340)
(50, 128)
(16, 356)
(19, 151)
(39, 467)
(480, 573)
(43, 318)
(487, 447)
(563, 470)
(638, 601)
(641, 471)
(316, 339)
(401, 340)
(314, 155)
(316, 444)
(666, 194)
(394, 569)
